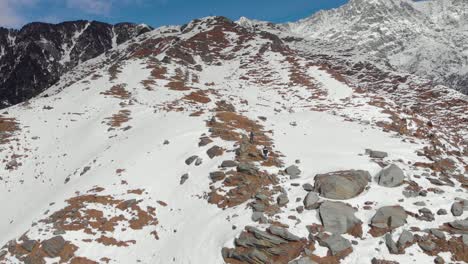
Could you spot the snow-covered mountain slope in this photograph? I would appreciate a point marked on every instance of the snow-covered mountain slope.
(427, 38)
(152, 153)
(33, 58)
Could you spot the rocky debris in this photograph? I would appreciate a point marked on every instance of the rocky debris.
(282, 199)
(166, 142)
(217, 176)
(406, 239)
(261, 197)
(376, 154)
(303, 260)
(335, 243)
(247, 168)
(229, 164)
(191, 159)
(29, 244)
(204, 141)
(283, 233)
(389, 217)
(391, 245)
(198, 162)
(308, 187)
(442, 212)
(184, 178)
(293, 171)
(311, 201)
(258, 206)
(215, 151)
(339, 218)
(3, 253)
(425, 215)
(341, 185)
(391, 176)
(52, 247)
(461, 225)
(259, 217)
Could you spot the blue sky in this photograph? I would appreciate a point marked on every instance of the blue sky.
(15, 13)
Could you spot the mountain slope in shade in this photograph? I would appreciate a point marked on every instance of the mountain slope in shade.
(143, 155)
(33, 58)
(426, 38)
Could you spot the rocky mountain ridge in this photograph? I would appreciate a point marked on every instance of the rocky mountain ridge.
(153, 152)
(34, 57)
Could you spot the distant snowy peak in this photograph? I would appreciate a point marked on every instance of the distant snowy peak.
(33, 58)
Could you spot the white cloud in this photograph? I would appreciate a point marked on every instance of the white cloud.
(95, 7)
(10, 16)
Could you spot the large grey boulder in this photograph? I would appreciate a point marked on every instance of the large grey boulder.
(311, 201)
(389, 217)
(282, 199)
(293, 171)
(259, 217)
(262, 235)
(335, 243)
(390, 176)
(459, 206)
(341, 185)
(338, 217)
(53, 246)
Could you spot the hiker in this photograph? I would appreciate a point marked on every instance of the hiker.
(265, 153)
(252, 137)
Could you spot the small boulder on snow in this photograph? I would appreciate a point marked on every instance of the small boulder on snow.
(293, 171)
(338, 217)
(311, 201)
(405, 239)
(283, 233)
(53, 246)
(184, 178)
(215, 151)
(389, 217)
(376, 154)
(391, 176)
(191, 159)
(341, 185)
(282, 199)
(335, 243)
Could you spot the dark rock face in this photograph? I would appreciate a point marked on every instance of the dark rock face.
(33, 58)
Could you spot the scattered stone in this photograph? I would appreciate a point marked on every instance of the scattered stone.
(293, 171)
(229, 164)
(282, 199)
(341, 185)
(204, 141)
(28, 245)
(259, 217)
(410, 193)
(335, 243)
(425, 215)
(214, 152)
(420, 203)
(166, 142)
(283, 233)
(376, 154)
(258, 207)
(457, 209)
(198, 162)
(53, 246)
(298, 161)
(441, 212)
(311, 201)
(300, 209)
(217, 176)
(427, 245)
(439, 260)
(339, 218)
(391, 245)
(261, 197)
(406, 238)
(460, 224)
(190, 160)
(308, 187)
(391, 176)
(381, 261)
(247, 168)
(437, 233)
(389, 217)
(184, 178)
